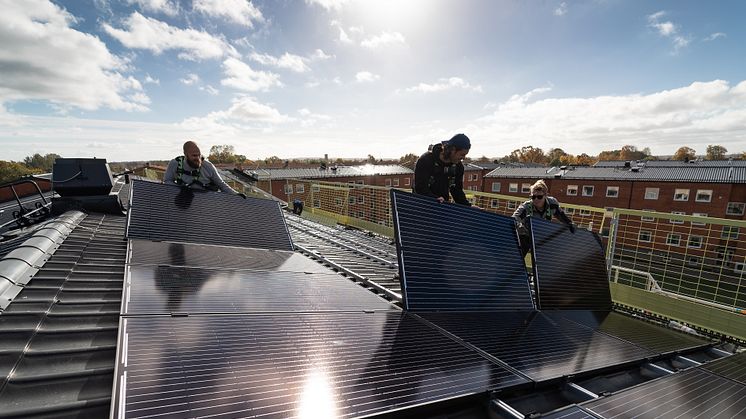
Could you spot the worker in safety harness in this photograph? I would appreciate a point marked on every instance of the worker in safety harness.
(540, 205)
(193, 171)
(440, 172)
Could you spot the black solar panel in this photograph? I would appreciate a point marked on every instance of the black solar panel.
(456, 258)
(144, 252)
(171, 213)
(301, 365)
(166, 289)
(649, 336)
(537, 346)
(692, 393)
(733, 367)
(569, 269)
(572, 412)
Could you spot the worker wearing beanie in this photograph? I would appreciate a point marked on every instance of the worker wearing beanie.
(440, 173)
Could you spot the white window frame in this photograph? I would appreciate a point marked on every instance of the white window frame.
(645, 236)
(513, 187)
(315, 188)
(677, 213)
(351, 200)
(494, 203)
(729, 210)
(698, 245)
(647, 219)
(396, 181)
(569, 210)
(288, 189)
(317, 203)
(652, 193)
(361, 199)
(703, 195)
(676, 242)
(739, 267)
(572, 190)
(388, 182)
(300, 188)
(585, 212)
(407, 181)
(473, 177)
(681, 195)
(496, 186)
(473, 188)
(512, 205)
(731, 234)
(525, 188)
(698, 214)
(593, 189)
(615, 189)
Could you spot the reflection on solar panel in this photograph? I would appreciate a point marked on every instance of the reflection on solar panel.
(143, 252)
(456, 258)
(649, 336)
(536, 345)
(733, 367)
(172, 213)
(302, 365)
(166, 289)
(692, 393)
(569, 269)
(572, 412)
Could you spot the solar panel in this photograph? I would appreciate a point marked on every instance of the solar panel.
(692, 393)
(292, 365)
(540, 347)
(172, 213)
(572, 412)
(647, 335)
(167, 289)
(144, 252)
(569, 269)
(733, 367)
(453, 257)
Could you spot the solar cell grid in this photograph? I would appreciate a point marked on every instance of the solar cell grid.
(569, 269)
(732, 367)
(322, 365)
(171, 213)
(456, 258)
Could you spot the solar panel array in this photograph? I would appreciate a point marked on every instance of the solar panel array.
(456, 258)
(172, 213)
(569, 268)
(732, 367)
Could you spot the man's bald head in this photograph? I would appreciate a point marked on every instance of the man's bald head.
(193, 154)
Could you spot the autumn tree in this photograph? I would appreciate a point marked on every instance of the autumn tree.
(584, 160)
(555, 156)
(684, 154)
(528, 154)
(630, 152)
(716, 152)
(408, 160)
(222, 154)
(43, 163)
(10, 170)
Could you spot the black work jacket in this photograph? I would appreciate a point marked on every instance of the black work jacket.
(432, 177)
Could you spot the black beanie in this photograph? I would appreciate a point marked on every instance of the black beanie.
(460, 142)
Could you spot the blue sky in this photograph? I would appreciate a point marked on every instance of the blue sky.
(133, 79)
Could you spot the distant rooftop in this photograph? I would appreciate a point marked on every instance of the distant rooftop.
(672, 163)
(333, 171)
(669, 173)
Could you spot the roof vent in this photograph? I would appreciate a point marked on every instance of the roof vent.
(634, 169)
(334, 169)
(557, 175)
(563, 167)
(627, 163)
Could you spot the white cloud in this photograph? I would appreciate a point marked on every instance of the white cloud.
(166, 7)
(287, 61)
(43, 58)
(319, 55)
(384, 39)
(244, 113)
(366, 76)
(151, 80)
(242, 77)
(328, 4)
(715, 36)
(239, 11)
(209, 89)
(190, 79)
(445, 84)
(561, 10)
(310, 119)
(668, 29)
(692, 115)
(153, 35)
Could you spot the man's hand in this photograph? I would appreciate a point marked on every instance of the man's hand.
(242, 195)
(440, 199)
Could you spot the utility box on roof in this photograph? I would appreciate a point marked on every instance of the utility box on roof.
(81, 177)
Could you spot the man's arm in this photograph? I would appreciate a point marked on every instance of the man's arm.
(216, 179)
(520, 213)
(457, 191)
(422, 172)
(170, 175)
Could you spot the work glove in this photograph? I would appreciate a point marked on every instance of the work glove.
(572, 228)
(522, 230)
(242, 195)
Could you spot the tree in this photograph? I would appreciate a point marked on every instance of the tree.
(716, 152)
(44, 163)
(483, 159)
(222, 154)
(555, 156)
(371, 159)
(630, 152)
(584, 160)
(274, 160)
(10, 171)
(528, 154)
(684, 154)
(408, 160)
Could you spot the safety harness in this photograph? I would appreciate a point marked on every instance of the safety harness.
(548, 211)
(194, 174)
(449, 171)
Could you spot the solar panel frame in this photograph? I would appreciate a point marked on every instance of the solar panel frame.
(163, 212)
(732, 367)
(283, 365)
(580, 282)
(437, 246)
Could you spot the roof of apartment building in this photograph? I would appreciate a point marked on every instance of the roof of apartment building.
(691, 173)
(671, 163)
(333, 172)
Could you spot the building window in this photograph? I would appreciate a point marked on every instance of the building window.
(703, 195)
(569, 211)
(300, 188)
(739, 267)
(512, 205)
(513, 187)
(388, 182)
(645, 236)
(692, 261)
(612, 191)
(729, 232)
(396, 182)
(651, 193)
(288, 189)
(699, 214)
(735, 208)
(317, 203)
(681, 195)
(473, 188)
(495, 186)
(525, 188)
(645, 217)
(338, 201)
(315, 188)
(585, 212)
(360, 199)
(473, 176)
(695, 242)
(673, 239)
(677, 213)
(588, 190)
(361, 182)
(572, 190)
(361, 214)
(407, 181)
(494, 203)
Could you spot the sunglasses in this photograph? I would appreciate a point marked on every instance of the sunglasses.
(537, 196)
